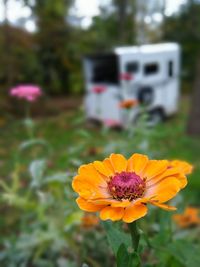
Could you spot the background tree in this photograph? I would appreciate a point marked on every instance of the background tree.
(53, 38)
(184, 28)
(193, 127)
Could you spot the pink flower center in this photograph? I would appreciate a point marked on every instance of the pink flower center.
(126, 185)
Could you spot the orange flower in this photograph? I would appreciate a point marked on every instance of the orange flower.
(120, 189)
(89, 220)
(129, 103)
(188, 219)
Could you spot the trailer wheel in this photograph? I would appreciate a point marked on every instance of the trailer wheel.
(156, 116)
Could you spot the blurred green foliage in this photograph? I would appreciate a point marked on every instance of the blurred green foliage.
(51, 57)
(41, 223)
(184, 28)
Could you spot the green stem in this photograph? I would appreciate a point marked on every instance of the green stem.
(135, 235)
(28, 109)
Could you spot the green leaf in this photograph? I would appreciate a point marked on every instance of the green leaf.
(61, 177)
(127, 259)
(185, 252)
(33, 142)
(122, 256)
(37, 169)
(116, 236)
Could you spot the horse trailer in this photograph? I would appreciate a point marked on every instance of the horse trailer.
(147, 73)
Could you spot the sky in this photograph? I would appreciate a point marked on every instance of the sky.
(17, 11)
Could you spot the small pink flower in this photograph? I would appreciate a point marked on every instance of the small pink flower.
(126, 76)
(28, 92)
(99, 89)
(112, 123)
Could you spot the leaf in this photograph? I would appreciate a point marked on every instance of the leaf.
(116, 236)
(122, 256)
(37, 169)
(32, 142)
(185, 252)
(127, 259)
(58, 177)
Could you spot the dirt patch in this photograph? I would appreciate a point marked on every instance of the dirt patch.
(44, 107)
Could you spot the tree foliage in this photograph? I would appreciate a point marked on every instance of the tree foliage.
(184, 28)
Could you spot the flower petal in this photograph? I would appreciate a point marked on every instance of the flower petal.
(134, 212)
(183, 166)
(164, 190)
(91, 174)
(172, 172)
(137, 163)
(111, 202)
(108, 164)
(103, 169)
(155, 167)
(89, 190)
(162, 206)
(118, 162)
(88, 206)
(110, 213)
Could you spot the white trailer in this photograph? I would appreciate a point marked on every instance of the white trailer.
(148, 73)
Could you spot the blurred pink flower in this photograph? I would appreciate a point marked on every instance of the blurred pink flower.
(28, 92)
(99, 89)
(112, 123)
(126, 76)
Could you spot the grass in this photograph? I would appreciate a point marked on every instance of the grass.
(72, 143)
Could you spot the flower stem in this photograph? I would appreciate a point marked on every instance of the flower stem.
(135, 235)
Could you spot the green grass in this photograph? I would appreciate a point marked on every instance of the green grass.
(71, 142)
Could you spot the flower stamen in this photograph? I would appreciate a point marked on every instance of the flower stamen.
(126, 185)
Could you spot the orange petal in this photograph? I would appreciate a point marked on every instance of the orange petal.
(134, 212)
(86, 206)
(172, 172)
(164, 190)
(162, 206)
(118, 162)
(91, 175)
(137, 163)
(103, 169)
(184, 166)
(123, 203)
(167, 173)
(88, 190)
(108, 164)
(182, 179)
(155, 167)
(110, 213)
(111, 202)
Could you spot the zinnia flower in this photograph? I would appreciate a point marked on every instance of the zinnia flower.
(99, 89)
(112, 123)
(89, 220)
(120, 189)
(189, 218)
(126, 76)
(129, 103)
(28, 92)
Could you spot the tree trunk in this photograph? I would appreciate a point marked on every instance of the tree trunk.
(122, 8)
(193, 127)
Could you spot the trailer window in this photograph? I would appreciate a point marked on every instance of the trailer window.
(170, 68)
(105, 69)
(151, 68)
(132, 67)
